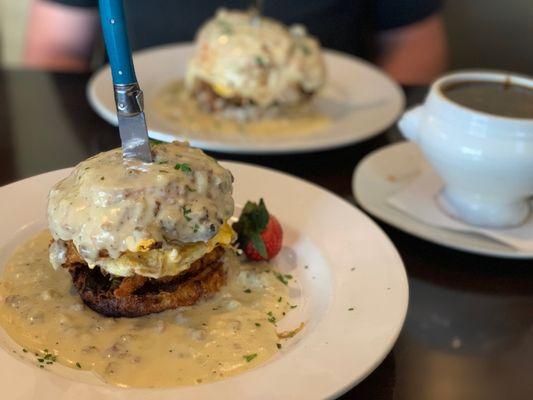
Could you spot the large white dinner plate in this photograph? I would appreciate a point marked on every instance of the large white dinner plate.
(351, 264)
(390, 170)
(360, 100)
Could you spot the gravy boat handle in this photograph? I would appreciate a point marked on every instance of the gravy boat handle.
(410, 123)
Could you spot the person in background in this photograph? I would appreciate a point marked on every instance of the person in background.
(405, 37)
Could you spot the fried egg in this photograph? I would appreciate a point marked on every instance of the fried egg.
(156, 263)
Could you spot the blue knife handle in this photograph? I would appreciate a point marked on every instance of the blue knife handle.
(116, 40)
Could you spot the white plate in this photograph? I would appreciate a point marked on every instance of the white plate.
(360, 100)
(337, 348)
(389, 170)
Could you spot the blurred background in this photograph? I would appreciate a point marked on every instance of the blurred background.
(482, 33)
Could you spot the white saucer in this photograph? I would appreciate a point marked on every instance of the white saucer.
(389, 170)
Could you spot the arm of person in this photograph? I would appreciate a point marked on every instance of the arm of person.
(414, 54)
(60, 37)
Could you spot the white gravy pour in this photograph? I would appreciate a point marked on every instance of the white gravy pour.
(226, 335)
(178, 110)
(111, 204)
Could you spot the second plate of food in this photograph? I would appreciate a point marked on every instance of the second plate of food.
(358, 102)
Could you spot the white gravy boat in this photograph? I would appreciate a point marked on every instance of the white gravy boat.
(485, 160)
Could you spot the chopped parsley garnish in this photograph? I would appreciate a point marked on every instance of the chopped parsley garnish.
(257, 324)
(259, 61)
(225, 27)
(280, 298)
(24, 350)
(78, 365)
(249, 357)
(184, 167)
(271, 317)
(294, 306)
(306, 50)
(350, 309)
(102, 178)
(186, 212)
(278, 345)
(196, 227)
(288, 276)
(281, 278)
(247, 291)
(46, 359)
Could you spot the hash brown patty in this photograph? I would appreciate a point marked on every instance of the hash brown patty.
(137, 295)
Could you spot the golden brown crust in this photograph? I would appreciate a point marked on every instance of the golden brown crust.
(130, 285)
(73, 257)
(136, 296)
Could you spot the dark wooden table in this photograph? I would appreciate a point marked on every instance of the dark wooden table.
(469, 328)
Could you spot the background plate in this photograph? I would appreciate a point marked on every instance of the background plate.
(350, 264)
(360, 100)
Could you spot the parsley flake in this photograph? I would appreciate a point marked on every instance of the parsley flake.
(271, 317)
(257, 324)
(259, 61)
(184, 167)
(78, 365)
(247, 291)
(46, 359)
(225, 27)
(305, 49)
(249, 357)
(350, 309)
(278, 345)
(186, 212)
(281, 278)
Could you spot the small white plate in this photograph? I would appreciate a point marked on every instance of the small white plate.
(351, 264)
(389, 170)
(360, 100)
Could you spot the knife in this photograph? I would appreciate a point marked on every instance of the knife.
(128, 94)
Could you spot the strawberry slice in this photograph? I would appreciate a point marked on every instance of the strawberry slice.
(260, 233)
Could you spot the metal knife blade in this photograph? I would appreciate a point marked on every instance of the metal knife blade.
(131, 122)
(135, 142)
